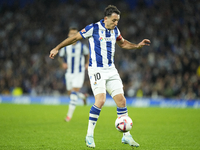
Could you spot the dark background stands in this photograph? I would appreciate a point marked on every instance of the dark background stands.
(169, 68)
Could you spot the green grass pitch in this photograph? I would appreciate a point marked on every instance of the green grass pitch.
(42, 127)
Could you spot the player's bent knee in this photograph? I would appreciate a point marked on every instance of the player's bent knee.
(101, 102)
(100, 99)
(118, 96)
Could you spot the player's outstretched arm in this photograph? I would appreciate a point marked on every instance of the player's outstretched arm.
(128, 45)
(66, 42)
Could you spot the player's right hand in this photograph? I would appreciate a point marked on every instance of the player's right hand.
(53, 53)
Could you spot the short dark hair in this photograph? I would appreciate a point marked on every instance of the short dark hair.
(111, 9)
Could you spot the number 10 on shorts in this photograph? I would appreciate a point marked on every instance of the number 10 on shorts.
(97, 76)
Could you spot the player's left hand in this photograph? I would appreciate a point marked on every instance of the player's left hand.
(53, 53)
(143, 43)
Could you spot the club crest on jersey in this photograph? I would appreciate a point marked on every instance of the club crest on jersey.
(83, 30)
(95, 83)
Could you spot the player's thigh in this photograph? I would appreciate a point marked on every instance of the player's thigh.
(78, 80)
(97, 81)
(114, 85)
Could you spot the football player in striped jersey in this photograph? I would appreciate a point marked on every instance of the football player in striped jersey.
(103, 75)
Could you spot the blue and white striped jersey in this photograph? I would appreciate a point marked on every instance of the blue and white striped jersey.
(101, 44)
(74, 57)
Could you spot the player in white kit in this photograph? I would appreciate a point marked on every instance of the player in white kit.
(102, 72)
(75, 61)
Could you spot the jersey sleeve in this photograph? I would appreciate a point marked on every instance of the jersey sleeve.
(87, 31)
(62, 52)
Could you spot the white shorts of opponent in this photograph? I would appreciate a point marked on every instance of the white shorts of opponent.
(102, 79)
(74, 80)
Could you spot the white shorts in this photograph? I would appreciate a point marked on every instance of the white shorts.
(74, 80)
(103, 80)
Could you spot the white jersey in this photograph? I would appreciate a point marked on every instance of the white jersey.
(74, 57)
(101, 43)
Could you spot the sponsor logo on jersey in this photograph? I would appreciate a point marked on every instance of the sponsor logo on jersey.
(100, 39)
(106, 39)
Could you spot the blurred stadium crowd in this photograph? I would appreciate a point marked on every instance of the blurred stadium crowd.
(169, 68)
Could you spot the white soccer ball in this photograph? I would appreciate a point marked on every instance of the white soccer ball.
(123, 123)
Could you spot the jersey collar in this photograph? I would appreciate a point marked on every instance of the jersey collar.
(102, 23)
